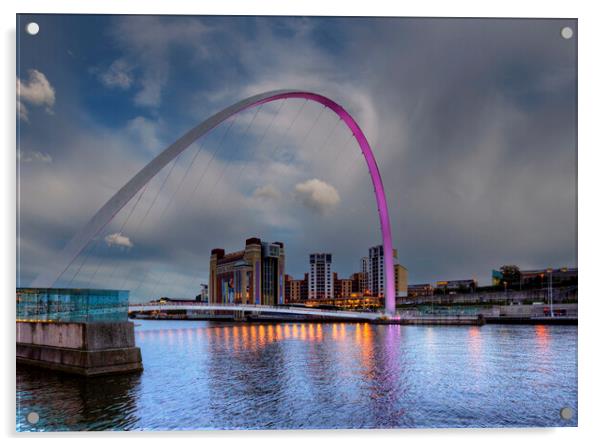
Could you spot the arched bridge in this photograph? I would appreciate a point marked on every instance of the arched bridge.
(258, 309)
(106, 213)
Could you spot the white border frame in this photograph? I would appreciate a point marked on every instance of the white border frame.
(590, 98)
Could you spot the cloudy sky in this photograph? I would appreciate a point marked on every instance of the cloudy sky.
(472, 122)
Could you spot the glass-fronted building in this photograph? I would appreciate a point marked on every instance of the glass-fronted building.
(71, 305)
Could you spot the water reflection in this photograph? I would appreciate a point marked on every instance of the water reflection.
(542, 336)
(305, 375)
(70, 403)
(474, 342)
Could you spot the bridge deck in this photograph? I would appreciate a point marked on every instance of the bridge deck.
(335, 314)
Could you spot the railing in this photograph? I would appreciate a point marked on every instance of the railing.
(71, 305)
(255, 308)
(229, 305)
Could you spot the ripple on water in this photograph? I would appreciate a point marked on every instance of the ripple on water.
(202, 375)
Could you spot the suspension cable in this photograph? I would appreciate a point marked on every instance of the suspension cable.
(97, 241)
(154, 200)
(305, 136)
(211, 195)
(218, 147)
(277, 146)
(332, 131)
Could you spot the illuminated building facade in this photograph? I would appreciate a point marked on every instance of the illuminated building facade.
(401, 281)
(457, 285)
(320, 276)
(535, 278)
(295, 290)
(353, 302)
(342, 287)
(254, 275)
(420, 290)
(365, 265)
(374, 268)
(359, 282)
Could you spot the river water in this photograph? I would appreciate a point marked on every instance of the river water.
(204, 375)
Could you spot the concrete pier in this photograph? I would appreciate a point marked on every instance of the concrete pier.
(83, 348)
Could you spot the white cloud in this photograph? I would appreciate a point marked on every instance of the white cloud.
(33, 157)
(144, 132)
(22, 111)
(118, 239)
(317, 195)
(36, 91)
(118, 75)
(267, 192)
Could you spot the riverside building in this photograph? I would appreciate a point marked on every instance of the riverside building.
(342, 287)
(359, 282)
(534, 278)
(320, 276)
(374, 268)
(401, 281)
(254, 275)
(295, 290)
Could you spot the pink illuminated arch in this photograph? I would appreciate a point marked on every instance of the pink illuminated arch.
(131, 188)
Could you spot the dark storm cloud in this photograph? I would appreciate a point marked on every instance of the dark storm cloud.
(485, 167)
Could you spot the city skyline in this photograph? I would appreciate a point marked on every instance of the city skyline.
(334, 271)
(485, 184)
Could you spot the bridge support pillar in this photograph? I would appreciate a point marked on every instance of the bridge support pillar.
(239, 315)
(88, 349)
